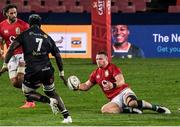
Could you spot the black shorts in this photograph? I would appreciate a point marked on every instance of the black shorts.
(45, 76)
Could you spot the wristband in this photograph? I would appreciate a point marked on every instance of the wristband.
(114, 85)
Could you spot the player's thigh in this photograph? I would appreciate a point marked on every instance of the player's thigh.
(48, 81)
(111, 107)
(31, 82)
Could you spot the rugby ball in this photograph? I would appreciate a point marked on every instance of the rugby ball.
(73, 82)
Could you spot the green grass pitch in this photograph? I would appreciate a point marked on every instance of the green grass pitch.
(154, 80)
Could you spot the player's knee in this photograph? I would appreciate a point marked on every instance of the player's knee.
(133, 104)
(131, 101)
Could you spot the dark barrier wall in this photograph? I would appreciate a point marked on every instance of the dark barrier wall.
(61, 18)
(122, 18)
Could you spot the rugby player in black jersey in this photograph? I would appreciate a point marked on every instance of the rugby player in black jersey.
(37, 45)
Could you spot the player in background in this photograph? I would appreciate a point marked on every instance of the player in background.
(9, 29)
(36, 46)
(122, 99)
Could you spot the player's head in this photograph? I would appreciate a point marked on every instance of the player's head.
(102, 59)
(120, 34)
(10, 12)
(34, 19)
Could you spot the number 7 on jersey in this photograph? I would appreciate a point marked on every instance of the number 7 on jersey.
(39, 41)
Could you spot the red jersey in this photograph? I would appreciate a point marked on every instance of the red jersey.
(10, 31)
(108, 74)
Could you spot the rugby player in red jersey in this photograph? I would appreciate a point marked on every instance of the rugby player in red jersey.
(121, 98)
(9, 29)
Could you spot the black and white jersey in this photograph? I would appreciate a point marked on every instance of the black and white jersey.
(36, 46)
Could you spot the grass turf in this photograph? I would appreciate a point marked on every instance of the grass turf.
(154, 80)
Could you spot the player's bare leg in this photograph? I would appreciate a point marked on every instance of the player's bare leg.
(20, 73)
(15, 83)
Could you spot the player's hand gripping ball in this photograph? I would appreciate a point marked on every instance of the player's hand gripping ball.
(73, 82)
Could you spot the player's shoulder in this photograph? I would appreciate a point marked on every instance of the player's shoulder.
(3, 22)
(112, 65)
(95, 71)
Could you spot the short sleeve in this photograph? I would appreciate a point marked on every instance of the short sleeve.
(116, 70)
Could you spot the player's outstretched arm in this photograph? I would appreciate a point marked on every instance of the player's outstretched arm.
(74, 83)
(60, 66)
(85, 86)
(61, 74)
(10, 51)
(1, 48)
(3, 69)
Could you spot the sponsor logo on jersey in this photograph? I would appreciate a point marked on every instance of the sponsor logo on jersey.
(106, 73)
(97, 76)
(6, 31)
(11, 38)
(18, 31)
(76, 42)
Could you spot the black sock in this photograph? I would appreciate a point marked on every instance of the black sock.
(154, 107)
(127, 110)
(140, 104)
(44, 99)
(65, 113)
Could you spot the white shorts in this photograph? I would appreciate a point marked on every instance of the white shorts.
(13, 65)
(120, 99)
